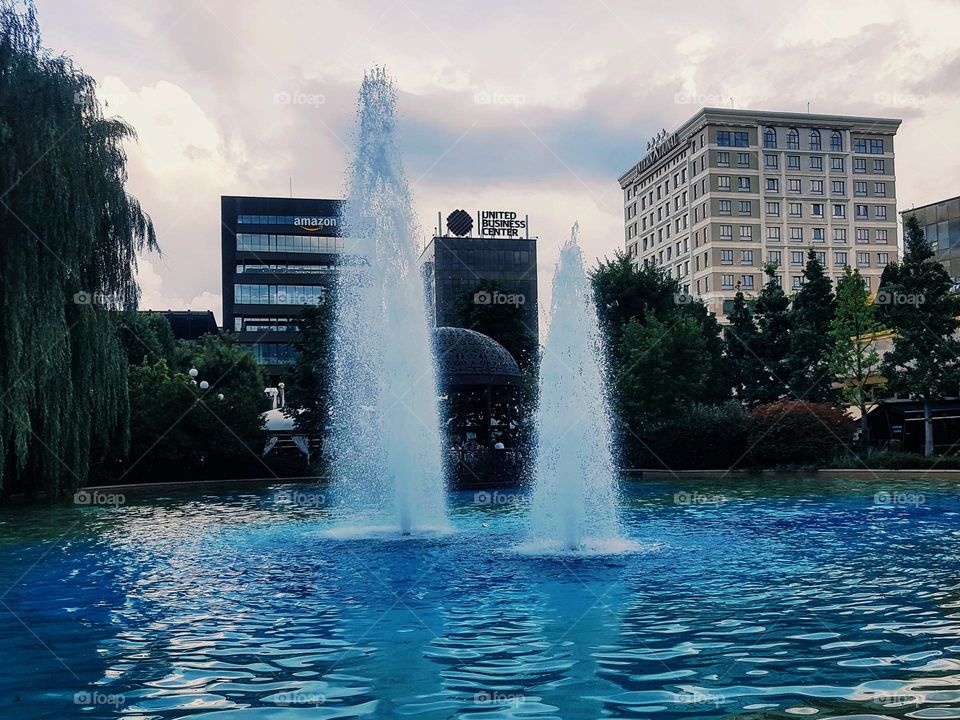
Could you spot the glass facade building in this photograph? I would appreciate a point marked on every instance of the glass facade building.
(941, 226)
(278, 255)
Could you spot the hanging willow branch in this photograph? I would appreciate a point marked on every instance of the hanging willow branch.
(69, 238)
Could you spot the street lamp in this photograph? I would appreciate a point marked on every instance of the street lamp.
(204, 384)
(193, 373)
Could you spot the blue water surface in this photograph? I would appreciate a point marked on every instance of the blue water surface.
(743, 598)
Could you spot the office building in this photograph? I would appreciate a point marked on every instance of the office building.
(278, 255)
(941, 226)
(732, 190)
(498, 249)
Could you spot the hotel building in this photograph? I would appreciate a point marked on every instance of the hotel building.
(277, 256)
(733, 190)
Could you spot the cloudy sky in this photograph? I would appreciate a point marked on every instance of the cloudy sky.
(529, 106)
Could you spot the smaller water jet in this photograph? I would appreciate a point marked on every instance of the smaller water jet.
(575, 497)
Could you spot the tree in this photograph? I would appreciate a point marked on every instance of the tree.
(745, 370)
(771, 308)
(807, 363)
(918, 305)
(308, 379)
(854, 360)
(793, 432)
(71, 235)
(146, 337)
(504, 322)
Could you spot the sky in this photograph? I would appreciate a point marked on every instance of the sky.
(535, 107)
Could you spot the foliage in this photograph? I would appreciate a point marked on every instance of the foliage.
(794, 432)
(854, 360)
(506, 323)
(771, 309)
(807, 364)
(699, 437)
(890, 460)
(146, 338)
(745, 371)
(308, 378)
(71, 235)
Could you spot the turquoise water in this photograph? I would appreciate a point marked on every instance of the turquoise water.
(774, 599)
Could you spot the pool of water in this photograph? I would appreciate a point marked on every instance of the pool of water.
(743, 598)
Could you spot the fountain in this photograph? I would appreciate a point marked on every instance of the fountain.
(385, 436)
(575, 497)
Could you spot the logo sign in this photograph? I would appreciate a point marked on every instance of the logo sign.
(662, 146)
(501, 224)
(459, 223)
(314, 224)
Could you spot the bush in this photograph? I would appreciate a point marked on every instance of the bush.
(796, 433)
(702, 437)
(889, 460)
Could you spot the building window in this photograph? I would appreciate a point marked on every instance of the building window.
(796, 282)
(746, 233)
(836, 164)
(723, 158)
(814, 139)
(863, 259)
(816, 210)
(882, 236)
(860, 188)
(859, 165)
(773, 234)
(793, 185)
(796, 234)
(862, 212)
(836, 141)
(840, 235)
(773, 185)
(725, 138)
(816, 162)
(770, 162)
(818, 234)
(859, 145)
(876, 147)
(244, 294)
(863, 235)
(821, 257)
(743, 184)
(879, 167)
(882, 259)
(793, 162)
(726, 282)
(880, 189)
(723, 182)
(816, 187)
(746, 257)
(793, 139)
(795, 209)
(773, 208)
(743, 159)
(746, 282)
(838, 187)
(774, 256)
(839, 211)
(726, 233)
(770, 138)
(796, 257)
(746, 207)
(840, 259)
(881, 212)
(726, 207)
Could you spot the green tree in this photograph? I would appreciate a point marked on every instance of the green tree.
(916, 302)
(146, 337)
(745, 370)
(70, 238)
(771, 309)
(308, 378)
(504, 322)
(807, 363)
(854, 359)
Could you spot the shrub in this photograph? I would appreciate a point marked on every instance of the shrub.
(701, 437)
(891, 460)
(792, 432)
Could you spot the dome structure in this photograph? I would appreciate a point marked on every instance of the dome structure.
(466, 357)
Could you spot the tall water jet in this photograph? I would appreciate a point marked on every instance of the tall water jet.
(384, 434)
(575, 497)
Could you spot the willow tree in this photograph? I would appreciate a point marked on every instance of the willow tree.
(70, 237)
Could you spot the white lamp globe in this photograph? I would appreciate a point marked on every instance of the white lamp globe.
(194, 372)
(204, 384)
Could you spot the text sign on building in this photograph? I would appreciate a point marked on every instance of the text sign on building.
(314, 223)
(491, 224)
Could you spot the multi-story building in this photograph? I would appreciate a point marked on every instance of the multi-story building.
(278, 255)
(941, 227)
(733, 190)
(500, 252)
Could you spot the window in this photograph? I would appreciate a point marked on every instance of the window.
(882, 259)
(288, 243)
(796, 257)
(726, 207)
(770, 138)
(746, 257)
(723, 158)
(775, 257)
(879, 189)
(278, 294)
(816, 187)
(860, 188)
(726, 232)
(838, 187)
(863, 235)
(836, 141)
(840, 258)
(793, 162)
(818, 234)
(876, 147)
(839, 235)
(862, 212)
(726, 282)
(773, 208)
(796, 282)
(881, 212)
(859, 165)
(836, 164)
(770, 162)
(746, 233)
(816, 162)
(793, 139)
(816, 210)
(746, 207)
(746, 282)
(839, 211)
(866, 284)
(773, 185)
(725, 138)
(723, 182)
(859, 145)
(879, 167)
(793, 185)
(795, 209)
(863, 259)
(743, 184)
(821, 257)
(773, 234)
(796, 234)
(814, 139)
(882, 236)
(743, 159)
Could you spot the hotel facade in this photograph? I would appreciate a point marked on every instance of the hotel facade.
(733, 190)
